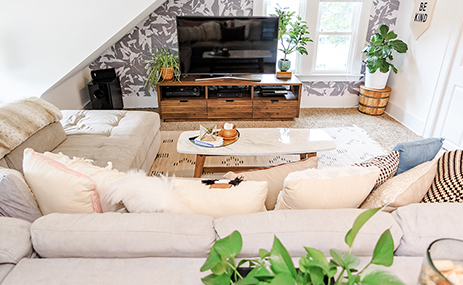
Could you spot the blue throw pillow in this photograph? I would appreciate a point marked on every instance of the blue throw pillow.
(416, 152)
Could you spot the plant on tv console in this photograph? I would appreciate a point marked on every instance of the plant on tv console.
(276, 266)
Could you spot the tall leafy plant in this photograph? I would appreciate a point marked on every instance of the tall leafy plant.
(161, 58)
(276, 266)
(379, 51)
(293, 35)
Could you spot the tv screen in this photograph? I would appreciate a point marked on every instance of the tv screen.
(227, 45)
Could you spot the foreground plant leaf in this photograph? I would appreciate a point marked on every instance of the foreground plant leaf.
(212, 260)
(216, 279)
(380, 277)
(280, 260)
(358, 224)
(229, 246)
(384, 250)
(344, 260)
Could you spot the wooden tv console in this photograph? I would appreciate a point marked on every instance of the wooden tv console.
(250, 106)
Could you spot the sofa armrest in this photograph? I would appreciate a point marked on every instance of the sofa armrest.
(15, 240)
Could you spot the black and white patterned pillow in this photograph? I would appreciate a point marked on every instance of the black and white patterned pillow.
(387, 164)
(447, 185)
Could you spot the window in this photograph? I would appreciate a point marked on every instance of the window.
(337, 28)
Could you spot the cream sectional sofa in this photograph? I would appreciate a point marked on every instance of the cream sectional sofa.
(165, 248)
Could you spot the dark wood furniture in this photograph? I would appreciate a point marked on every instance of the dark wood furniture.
(250, 106)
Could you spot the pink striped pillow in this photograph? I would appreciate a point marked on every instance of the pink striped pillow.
(57, 188)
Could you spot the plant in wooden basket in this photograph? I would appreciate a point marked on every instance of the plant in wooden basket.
(163, 64)
(276, 266)
(293, 35)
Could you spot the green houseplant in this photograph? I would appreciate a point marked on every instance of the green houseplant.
(276, 266)
(162, 64)
(378, 56)
(293, 35)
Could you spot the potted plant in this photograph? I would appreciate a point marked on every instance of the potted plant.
(276, 266)
(293, 35)
(163, 64)
(379, 55)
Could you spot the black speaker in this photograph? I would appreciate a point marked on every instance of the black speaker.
(105, 90)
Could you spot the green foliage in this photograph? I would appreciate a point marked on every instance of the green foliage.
(293, 35)
(161, 58)
(379, 52)
(276, 266)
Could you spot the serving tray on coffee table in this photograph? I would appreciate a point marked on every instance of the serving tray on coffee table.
(226, 142)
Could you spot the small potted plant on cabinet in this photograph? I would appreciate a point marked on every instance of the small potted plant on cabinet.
(293, 35)
(163, 64)
(379, 55)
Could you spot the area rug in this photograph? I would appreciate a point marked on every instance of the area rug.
(352, 145)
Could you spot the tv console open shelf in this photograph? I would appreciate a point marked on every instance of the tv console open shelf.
(204, 99)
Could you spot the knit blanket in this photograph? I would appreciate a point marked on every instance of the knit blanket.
(21, 119)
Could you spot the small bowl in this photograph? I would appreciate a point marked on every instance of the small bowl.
(228, 133)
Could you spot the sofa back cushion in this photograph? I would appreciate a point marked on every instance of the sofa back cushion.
(45, 139)
(15, 241)
(423, 223)
(17, 200)
(115, 235)
(320, 229)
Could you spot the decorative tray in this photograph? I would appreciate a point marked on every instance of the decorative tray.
(225, 141)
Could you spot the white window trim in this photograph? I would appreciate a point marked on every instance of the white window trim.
(306, 64)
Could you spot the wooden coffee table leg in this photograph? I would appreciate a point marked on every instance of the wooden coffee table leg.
(199, 165)
(306, 155)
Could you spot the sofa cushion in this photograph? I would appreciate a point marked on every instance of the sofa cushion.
(58, 188)
(423, 223)
(15, 240)
(386, 163)
(17, 200)
(275, 176)
(328, 188)
(114, 235)
(122, 137)
(46, 139)
(321, 229)
(416, 152)
(447, 185)
(247, 197)
(406, 188)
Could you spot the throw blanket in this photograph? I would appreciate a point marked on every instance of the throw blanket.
(21, 119)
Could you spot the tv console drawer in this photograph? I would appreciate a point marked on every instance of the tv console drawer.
(183, 109)
(275, 108)
(229, 108)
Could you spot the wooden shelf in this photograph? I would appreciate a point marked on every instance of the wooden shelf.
(250, 106)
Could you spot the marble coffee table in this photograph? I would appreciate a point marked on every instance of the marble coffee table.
(258, 141)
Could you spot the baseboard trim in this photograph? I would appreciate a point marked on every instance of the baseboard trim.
(408, 120)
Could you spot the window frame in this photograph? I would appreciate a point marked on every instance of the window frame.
(305, 65)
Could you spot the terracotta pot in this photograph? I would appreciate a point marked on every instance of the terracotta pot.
(167, 73)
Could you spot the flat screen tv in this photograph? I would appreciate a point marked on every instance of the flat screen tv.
(227, 46)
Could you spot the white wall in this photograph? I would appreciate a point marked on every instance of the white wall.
(43, 43)
(415, 86)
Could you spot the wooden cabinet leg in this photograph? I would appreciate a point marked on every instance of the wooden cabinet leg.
(306, 155)
(199, 165)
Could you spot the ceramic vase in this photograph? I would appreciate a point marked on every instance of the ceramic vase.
(376, 80)
(284, 65)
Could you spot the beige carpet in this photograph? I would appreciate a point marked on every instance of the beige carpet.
(352, 145)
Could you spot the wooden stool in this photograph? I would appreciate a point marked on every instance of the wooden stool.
(373, 101)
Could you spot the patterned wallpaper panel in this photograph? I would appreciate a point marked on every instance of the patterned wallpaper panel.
(129, 54)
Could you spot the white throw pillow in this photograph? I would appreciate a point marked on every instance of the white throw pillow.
(328, 188)
(102, 176)
(58, 188)
(145, 194)
(245, 198)
(275, 176)
(403, 189)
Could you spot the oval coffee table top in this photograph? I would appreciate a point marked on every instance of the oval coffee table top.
(263, 141)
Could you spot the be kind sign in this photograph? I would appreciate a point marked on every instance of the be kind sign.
(421, 17)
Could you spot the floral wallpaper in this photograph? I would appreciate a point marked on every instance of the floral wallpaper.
(129, 54)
